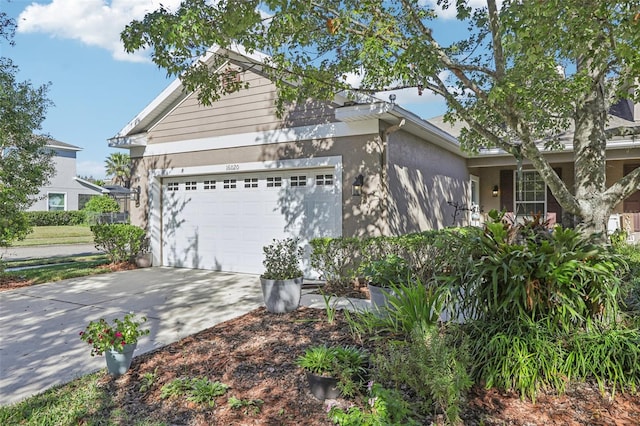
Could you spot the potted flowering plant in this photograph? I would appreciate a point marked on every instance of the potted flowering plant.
(117, 341)
(282, 280)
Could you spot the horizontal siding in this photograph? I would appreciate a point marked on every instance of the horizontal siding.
(246, 111)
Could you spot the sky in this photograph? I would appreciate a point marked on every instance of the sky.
(96, 87)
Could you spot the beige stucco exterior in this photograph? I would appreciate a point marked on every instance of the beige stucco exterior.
(413, 169)
(422, 179)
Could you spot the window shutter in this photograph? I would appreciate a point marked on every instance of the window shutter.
(552, 204)
(506, 190)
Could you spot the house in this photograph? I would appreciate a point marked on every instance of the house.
(494, 173)
(219, 182)
(65, 191)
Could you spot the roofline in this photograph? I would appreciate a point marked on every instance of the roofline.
(68, 147)
(86, 182)
(394, 114)
(174, 91)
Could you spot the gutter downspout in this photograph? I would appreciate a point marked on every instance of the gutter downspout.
(384, 173)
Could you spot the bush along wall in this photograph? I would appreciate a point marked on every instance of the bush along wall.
(339, 260)
(56, 218)
(121, 242)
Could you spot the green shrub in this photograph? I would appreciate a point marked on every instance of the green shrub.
(56, 218)
(199, 390)
(102, 204)
(121, 242)
(527, 295)
(384, 407)
(339, 259)
(521, 356)
(611, 356)
(527, 357)
(336, 259)
(386, 272)
(345, 363)
(433, 365)
(524, 271)
(630, 278)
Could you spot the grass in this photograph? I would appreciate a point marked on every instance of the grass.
(51, 235)
(82, 401)
(58, 269)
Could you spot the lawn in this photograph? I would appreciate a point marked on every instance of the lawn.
(50, 235)
(52, 269)
(419, 366)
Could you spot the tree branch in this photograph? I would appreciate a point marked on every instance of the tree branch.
(624, 187)
(448, 63)
(494, 24)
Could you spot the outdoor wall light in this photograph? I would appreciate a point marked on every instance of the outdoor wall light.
(356, 186)
(495, 191)
(135, 195)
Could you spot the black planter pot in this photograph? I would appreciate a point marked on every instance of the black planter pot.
(323, 387)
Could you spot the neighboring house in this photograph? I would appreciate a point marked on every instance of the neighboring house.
(499, 182)
(65, 190)
(219, 182)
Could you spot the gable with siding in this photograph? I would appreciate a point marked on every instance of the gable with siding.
(246, 111)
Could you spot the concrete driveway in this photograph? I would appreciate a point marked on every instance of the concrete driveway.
(39, 325)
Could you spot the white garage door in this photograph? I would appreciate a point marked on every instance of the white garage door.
(221, 222)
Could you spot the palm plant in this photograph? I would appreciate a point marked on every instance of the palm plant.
(118, 167)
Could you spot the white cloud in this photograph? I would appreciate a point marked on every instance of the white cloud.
(450, 12)
(92, 22)
(89, 168)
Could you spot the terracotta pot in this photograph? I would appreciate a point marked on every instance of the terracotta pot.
(143, 260)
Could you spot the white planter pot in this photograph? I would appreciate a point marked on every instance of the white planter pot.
(379, 298)
(281, 296)
(119, 362)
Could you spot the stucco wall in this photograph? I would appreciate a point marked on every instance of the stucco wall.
(360, 154)
(422, 178)
(63, 182)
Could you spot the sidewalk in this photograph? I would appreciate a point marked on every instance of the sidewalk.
(39, 325)
(36, 252)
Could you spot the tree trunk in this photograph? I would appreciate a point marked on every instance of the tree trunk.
(589, 144)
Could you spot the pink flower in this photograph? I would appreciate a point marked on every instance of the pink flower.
(118, 334)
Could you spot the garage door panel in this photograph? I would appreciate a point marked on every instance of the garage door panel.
(225, 229)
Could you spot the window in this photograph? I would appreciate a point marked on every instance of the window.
(322, 180)
(209, 184)
(474, 208)
(531, 194)
(173, 186)
(229, 183)
(83, 199)
(56, 201)
(251, 183)
(190, 186)
(298, 181)
(273, 182)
